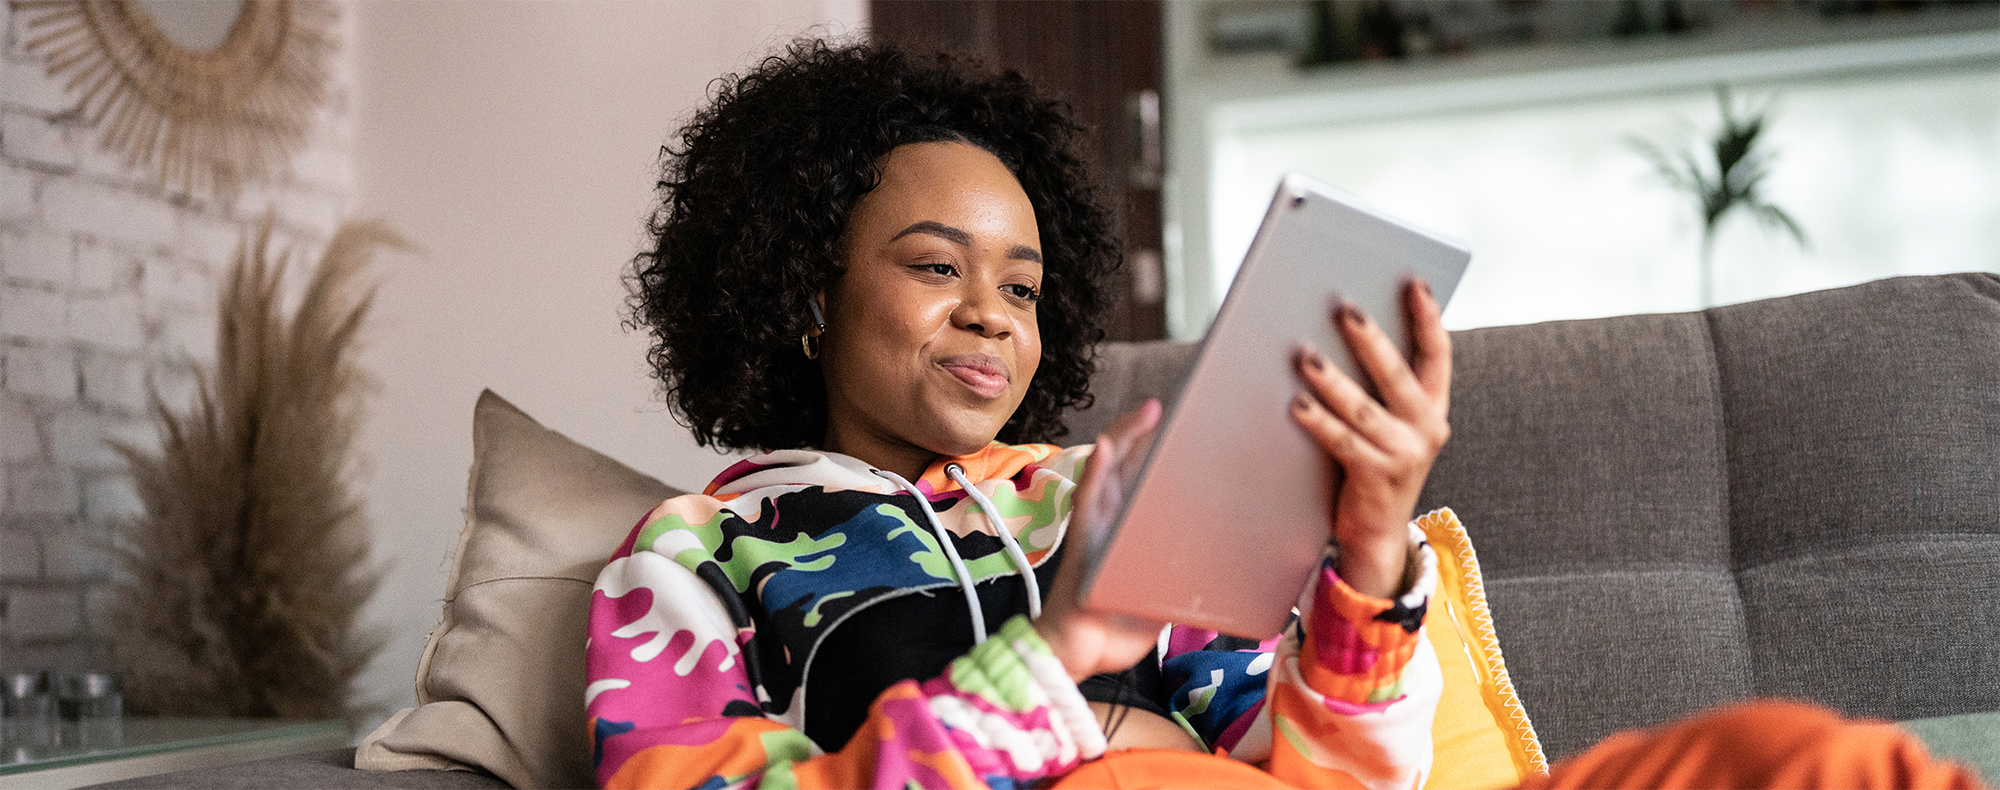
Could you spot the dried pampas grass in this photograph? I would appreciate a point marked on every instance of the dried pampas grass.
(245, 576)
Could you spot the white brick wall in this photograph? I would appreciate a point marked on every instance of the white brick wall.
(19, 440)
(20, 556)
(34, 139)
(76, 555)
(100, 268)
(44, 613)
(37, 259)
(79, 438)
(17, 195)
(24, 84)
(42, 371)
(110, 321)
(168, 284)
(114, 382)
(107, 284)
(110, 212)
(38, 491)
(30, 312)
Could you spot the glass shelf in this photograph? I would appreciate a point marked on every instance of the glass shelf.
(144, 746)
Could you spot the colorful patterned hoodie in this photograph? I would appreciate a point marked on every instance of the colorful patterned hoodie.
(707, 624)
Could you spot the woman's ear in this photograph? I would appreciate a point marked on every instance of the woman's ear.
(809, 339)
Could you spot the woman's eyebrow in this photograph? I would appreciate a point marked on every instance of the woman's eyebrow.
(963, 239)
(938, 229)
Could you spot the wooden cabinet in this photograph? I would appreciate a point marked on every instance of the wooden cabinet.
(1103, 56)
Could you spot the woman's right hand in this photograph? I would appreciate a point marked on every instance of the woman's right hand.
(1090, 641)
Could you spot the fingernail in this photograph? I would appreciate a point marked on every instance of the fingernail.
(1352, 315)
(1315, 361)
(1301, 402)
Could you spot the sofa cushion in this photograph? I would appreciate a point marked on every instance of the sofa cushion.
(1564, 425)
(500, 686)
(1862, 415)
(1595, 654)
(1864, 462)
(1127, 374)
(1904, 628)
(1586, 460)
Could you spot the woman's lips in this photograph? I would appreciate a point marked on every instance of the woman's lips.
(983, 374)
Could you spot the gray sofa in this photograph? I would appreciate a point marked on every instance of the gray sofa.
(1796, 497)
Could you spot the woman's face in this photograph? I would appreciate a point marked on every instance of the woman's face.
(931, 338)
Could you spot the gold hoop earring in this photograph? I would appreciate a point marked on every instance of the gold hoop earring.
(809, 339)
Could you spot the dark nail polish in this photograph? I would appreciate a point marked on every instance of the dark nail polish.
(1301, 402)
(1314, 361)
(1352, 315)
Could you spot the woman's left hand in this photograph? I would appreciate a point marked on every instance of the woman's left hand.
(1089, 641)
(1385, 448)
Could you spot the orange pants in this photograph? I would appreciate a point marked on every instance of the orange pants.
(1760, 745)
(1754, 745)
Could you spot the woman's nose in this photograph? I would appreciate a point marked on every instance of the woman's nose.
(982, 310)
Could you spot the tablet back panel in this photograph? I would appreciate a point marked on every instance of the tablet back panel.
(1230, 513)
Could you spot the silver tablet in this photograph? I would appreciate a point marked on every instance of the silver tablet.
(1228, 515)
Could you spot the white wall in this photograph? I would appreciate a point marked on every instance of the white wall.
(1886, 133)
(516, 142)
(1887, 174)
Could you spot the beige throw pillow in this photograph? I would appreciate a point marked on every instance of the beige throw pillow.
(500, 687)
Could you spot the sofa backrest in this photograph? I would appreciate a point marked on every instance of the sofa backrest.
(1795, 497)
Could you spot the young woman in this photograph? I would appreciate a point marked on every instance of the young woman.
(885, 273)
(872, 267)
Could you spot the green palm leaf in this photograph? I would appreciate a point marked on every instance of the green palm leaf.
(1726, 176)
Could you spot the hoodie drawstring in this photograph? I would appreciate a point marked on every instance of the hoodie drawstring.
(1014, 551)
(958, 570)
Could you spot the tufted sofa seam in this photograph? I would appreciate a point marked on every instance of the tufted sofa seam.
(1720, 391)
(1845, 549)
(1535, 575)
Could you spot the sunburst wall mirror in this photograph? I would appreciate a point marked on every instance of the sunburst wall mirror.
(203, 95)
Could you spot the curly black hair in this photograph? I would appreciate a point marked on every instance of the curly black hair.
(756, 193)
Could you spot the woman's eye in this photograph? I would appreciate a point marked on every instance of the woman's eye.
(939, 269)
(1024, 292)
